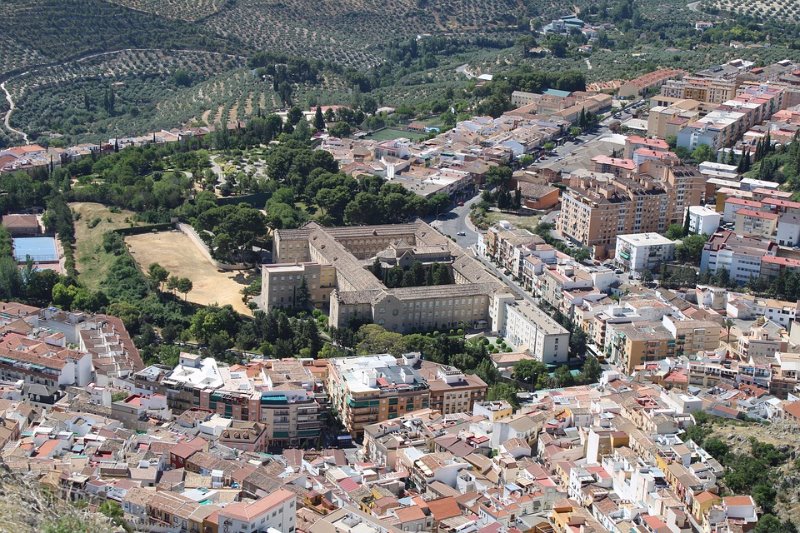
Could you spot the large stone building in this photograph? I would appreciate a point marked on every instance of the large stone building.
(334, 265)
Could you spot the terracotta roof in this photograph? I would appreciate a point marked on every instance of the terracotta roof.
(738, 500)
(409, 514)
(706, 496)
(444, 508)
(185, 449)
(793, 409)
(248, 511)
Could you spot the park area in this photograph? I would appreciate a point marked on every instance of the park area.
(93, 220)
(178, 254)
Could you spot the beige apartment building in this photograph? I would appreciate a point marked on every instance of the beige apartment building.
(692, 336)
(374, 388)
(666, 120)
(685, 186)
(334, 264)
(451, 390)
(710, 90)
(596, 207)
(637, 343)
(755, 222)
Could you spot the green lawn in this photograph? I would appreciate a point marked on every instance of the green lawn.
(92, 260)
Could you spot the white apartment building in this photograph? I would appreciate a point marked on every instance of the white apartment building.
(703, 220)
(740, 255)
(638, 252)
(788, 230)
(274, 512)
(748, 307)
(525, 325)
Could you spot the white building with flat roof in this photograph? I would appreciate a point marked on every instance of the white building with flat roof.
(703, 220)
(526, 326)
(638, 252)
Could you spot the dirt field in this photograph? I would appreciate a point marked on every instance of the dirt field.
(174, 251)
(92, 261)
(527, 222)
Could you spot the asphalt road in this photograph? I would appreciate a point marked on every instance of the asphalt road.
(455, 221)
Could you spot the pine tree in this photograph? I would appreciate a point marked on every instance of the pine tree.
(731, 157)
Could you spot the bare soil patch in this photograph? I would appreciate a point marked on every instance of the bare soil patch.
(175, 251)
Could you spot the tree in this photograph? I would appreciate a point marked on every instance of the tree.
(728, 325)
(295, 115)
(302, 298)
(340, 129)
(591, 371)
(769, 523)
(691, 249)
(172, 283)
(577, 342)
(374, 339)
(11, 284)
(529, 370)
(184, 286)
(703, 153)
(158, 274)
(503, 391)
(499, 175)
(319, 120)
(487, 372)
(675, 231)
(563, 376)
(716, 448)
(214, 320)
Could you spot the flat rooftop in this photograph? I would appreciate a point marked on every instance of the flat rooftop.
(645, 239)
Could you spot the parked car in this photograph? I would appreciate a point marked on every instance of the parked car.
(462, 233)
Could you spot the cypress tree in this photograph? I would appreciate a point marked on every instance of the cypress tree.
(319, 121)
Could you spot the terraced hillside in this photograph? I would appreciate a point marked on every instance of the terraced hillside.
(188, 10)
(349, 31)
(782, 10)
(37, 31)
(73, 98)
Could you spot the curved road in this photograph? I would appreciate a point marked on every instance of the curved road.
(454, 222)
(7, 118)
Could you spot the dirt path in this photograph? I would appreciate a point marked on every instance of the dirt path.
(7, 118)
